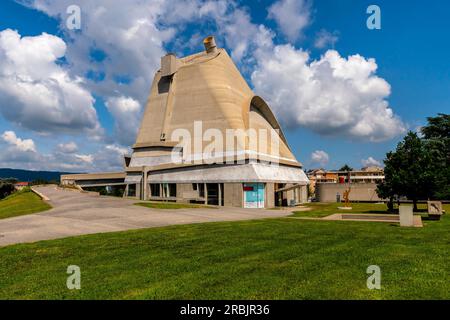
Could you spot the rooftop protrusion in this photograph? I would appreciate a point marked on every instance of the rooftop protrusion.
(210, 44)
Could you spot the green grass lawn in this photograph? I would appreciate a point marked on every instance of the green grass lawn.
(22, 203)
(326, 209)
(172, 205)
(262, 259)
(319, 210)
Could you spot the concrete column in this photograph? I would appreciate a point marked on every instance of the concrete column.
(138, 190)
(406, 216)
(220, 194)
(144, 185)
(270, 195)
(206, 193)
(242, 196)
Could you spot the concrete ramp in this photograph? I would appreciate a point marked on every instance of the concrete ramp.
(76, 213)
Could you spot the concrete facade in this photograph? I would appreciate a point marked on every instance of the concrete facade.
(369, 175)
(233, 194)
(364, 192)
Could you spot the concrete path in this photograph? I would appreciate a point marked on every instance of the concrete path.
(75, 213)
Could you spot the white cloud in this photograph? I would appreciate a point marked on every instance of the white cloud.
(292, 16)
(21, 145)
(126, 112)
(241, 35)
(104, 159)
(37, 93)
(418, 131)
(325, 38)
(85, 157)
(119, 150)
(23, 154)
(130, 33)
(233, 25)
(333, 96)
(17, 152)
(70, 147)
(370, 162)
(320, 157)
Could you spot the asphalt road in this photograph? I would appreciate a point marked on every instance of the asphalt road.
(75, 213)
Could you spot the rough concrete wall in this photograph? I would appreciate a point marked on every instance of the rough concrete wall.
(303, 194)
(290, 196)
(138, 190)
(270, 195)
(233, 194)
(326, 192)
(185, 190)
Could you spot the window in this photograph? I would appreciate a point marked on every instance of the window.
(169, 190)
(172, 190)
(201, 190)
(132, 190)
(155, 190)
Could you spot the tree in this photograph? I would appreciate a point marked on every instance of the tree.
(346, 168)
(6, 188)
(8, 180)
(386, 190)
(438, 128)
(409, 171)
(437, 136)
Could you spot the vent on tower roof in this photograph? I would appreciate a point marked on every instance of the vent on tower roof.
(210, 44)
(168, 65)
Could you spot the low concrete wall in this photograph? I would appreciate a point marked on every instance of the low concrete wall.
(43, 197)
(326, 192)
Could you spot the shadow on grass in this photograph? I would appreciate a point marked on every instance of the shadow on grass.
(173, 205)
(379, 212)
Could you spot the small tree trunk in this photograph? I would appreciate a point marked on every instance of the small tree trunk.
(390, 205)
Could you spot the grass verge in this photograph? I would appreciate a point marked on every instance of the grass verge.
(22, 203)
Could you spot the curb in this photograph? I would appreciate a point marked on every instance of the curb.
(45, 198)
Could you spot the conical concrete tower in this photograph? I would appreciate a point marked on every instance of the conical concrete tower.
(196, 103)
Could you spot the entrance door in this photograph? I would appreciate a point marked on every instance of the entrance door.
(213, 194)
(254, 195)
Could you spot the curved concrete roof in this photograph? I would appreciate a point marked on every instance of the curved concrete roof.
(251, 172)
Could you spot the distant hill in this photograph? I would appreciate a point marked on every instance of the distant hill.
(26, 175)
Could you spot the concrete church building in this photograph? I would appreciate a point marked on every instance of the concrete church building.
(204, 95)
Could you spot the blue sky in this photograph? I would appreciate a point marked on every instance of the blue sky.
(410, 83)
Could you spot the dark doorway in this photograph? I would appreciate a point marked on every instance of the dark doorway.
(215, 194)
(280, 196)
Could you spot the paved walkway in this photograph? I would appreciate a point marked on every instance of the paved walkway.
(75, 213)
